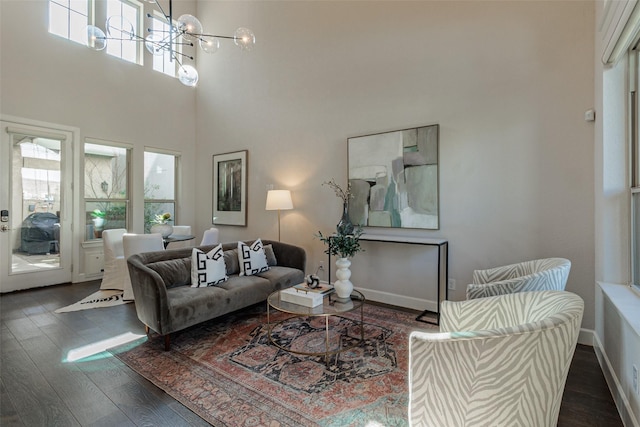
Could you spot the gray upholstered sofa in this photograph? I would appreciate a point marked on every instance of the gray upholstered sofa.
(166, 302)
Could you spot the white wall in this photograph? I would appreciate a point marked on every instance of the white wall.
(47, 78)
(508, 82)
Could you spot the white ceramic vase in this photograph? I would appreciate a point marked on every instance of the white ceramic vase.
(165, 229)
(343, 285)
(98, 223)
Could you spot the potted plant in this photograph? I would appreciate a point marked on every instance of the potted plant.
(97, 216)
(160, 224)
(344, 244)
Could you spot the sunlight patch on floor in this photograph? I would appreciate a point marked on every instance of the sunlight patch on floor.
(98, 347)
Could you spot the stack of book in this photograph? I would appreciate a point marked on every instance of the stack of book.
(304, 295)
(323, 289)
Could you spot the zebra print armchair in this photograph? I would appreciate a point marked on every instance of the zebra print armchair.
(497, 361)
(536, 275)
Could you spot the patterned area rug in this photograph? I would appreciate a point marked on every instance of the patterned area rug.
(228, 372)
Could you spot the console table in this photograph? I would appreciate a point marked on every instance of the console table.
(443, 265)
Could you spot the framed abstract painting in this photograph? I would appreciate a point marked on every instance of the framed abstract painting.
(230, 188)
(394, 179)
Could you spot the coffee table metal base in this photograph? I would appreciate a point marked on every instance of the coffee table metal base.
(308, 313)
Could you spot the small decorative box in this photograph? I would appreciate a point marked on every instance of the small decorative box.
(307, 299)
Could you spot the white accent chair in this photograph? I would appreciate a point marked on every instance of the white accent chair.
(180, 230)
(546, 274)
(115, 265)
(210, 237)
(497, 361)
(135, 244)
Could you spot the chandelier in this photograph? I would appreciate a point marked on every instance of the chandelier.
(187, 31)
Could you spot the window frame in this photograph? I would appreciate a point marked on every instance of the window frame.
(634, 166)
(69, 10)
(160, 18)
(176, 185)
(138, 28)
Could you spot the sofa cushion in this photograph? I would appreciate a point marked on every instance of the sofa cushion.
(231, 261)
(189, 306)
(252, 259)
(271, 256)
(208, 269)
(283, 277)
(174, 272)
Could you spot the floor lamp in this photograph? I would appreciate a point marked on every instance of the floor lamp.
(279, 200)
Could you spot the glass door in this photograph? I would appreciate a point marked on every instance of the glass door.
(35, 244)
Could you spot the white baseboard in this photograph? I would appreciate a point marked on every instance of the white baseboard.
(399, 300)
(586, 337)
(620, 399)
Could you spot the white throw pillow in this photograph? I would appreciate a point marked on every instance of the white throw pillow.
(208, 269)
(252, 259)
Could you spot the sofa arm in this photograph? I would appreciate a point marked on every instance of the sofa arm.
(288, 255)
(150, 292)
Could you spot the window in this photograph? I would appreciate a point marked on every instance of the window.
(69, 18)
(106, 188)
(123, 28)
(162, 61)
(40, 161)
(160, 172)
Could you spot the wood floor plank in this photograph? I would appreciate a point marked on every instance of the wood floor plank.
(84, 399)
(44, 319)
(22, 328)
(106, 371)
(586, 400)
(65, 337)
(31, 395)
(117, 418)
(12, 308)
(9, 413)
(7, 340)
(145, 405)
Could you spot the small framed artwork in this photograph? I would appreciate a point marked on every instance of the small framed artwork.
(230, 188)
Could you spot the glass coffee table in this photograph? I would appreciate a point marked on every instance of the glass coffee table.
(322, 315)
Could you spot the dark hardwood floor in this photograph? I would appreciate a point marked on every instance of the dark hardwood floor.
(38, 387)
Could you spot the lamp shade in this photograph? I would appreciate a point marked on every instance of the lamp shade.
(279, 200)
